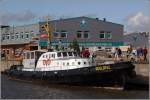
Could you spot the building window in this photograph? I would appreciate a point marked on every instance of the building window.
(12, 36)
(86, 34)
(26, 35)
(56, 34)
(79, 34)
(3, 37)
(7, 51)
(32, 34)
(63, 34)
(21, 35)
(102, 35)
(16, 35)
(108, 35)
(7, 36)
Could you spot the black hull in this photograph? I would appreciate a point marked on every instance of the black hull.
(95, 75)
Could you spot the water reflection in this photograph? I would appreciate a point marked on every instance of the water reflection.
(12, 89)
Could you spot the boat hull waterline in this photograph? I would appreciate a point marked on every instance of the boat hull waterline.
(100, 75)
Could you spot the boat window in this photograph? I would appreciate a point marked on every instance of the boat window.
(84, 62)
(38, 54)
(59, 54)
(70, 54)
(79, 63)
(74, 53)
(45, 56)
(32, 55)
(28, 55)
(64, 54)
(53, 55)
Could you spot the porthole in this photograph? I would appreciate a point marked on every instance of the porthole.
(84, 63)
(79, 63)
(67, 64)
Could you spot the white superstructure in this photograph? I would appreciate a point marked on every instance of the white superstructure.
(51, 61)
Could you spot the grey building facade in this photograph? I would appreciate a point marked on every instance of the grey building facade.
(16, 39)
(88, 32)
(137, 39)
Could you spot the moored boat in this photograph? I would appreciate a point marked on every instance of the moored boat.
(65, 67)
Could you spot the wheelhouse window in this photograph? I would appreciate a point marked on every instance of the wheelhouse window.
(59, 54)
(53, 55)
(28, 55)
(75, 54)
(70, 54)
(38, 54)
(64, 54)
(32, 55)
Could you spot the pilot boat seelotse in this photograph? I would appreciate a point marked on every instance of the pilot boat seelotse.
(68, 68)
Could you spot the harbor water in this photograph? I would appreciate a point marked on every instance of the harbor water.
(17, 89)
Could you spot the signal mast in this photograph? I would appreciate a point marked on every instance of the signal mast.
(49, 31)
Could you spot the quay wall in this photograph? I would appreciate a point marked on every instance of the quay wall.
(5, 64)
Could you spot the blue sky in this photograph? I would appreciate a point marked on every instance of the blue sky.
(118, 11)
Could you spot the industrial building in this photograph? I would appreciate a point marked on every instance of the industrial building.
(137, 39)
(89, 32)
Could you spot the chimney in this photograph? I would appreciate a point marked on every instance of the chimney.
(104, 19)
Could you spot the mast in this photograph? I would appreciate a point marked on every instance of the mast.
(48, 30)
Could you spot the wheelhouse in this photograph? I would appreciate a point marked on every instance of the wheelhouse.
(30, 58)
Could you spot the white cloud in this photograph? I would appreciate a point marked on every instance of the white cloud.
(8, 17)
(137, 22)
